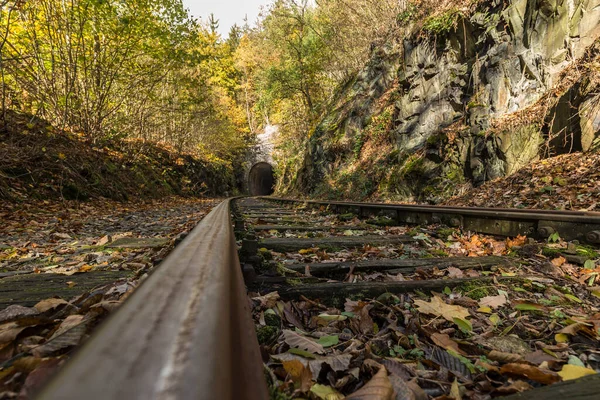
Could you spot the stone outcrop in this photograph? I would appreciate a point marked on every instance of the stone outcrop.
(510, 83)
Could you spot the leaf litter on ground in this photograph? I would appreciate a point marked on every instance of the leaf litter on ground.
(476, 340)
(71, 238)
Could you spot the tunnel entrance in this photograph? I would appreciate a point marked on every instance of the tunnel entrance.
(261, 180)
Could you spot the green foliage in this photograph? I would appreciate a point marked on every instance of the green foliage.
(442, 23)
(113, 69)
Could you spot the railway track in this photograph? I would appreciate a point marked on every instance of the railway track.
(341, 291)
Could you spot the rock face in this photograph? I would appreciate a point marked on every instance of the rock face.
(510, 83)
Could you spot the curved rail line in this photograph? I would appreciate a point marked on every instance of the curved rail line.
(187, 331)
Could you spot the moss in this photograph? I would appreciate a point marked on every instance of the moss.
(474, 290)
(414, 231)
(272, 320)
(443, 233)
(551, 252)
(330, 249)
(267, 334)
(438, 253)
(346, 217)
(381, 221)
(442, 23)
(412, 165)
(587, 251)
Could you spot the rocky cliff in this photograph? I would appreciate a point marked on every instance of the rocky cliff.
(465, 98)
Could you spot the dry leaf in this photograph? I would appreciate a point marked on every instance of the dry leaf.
(557, 262)
(301, 375)
(49, 304)
(493, 301)
(366, 322)
(505, 358)
(300, 342)
(454, 272)
(439, 308)
(378, 388)
(444, 341)
(536, 374)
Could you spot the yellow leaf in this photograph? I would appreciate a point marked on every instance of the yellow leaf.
(455, 390)
(62, 156)
(306, 251)
(561, 338)
(438, 307)
(495, 319)
(569, 372)
(485, 310)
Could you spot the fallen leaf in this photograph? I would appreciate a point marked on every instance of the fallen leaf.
(493, 301)
(366, 322)
(15, 312)
(445, 342)
(558, 261)
(454, 273)
(527, 306)
(561, 338)
(328, 317)
(505, 358)
(338, 362)
(455, 390)
(378, 388)
(295, 340)
(301, 375)
(569, 372)
(328, 341)
(536, 374)
(439, 308)
(463, 325)
(268, 300)
(326, 392)
(49, 304)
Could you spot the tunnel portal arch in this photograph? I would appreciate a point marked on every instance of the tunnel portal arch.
(261, 181)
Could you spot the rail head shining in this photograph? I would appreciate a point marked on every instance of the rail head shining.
(185, 333)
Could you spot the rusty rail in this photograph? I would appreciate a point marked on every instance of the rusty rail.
(570, 225)
(186, 332)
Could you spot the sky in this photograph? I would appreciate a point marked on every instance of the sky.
(228, 12)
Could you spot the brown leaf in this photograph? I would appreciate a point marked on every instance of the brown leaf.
(339, 362)
(558, 261)
(10, 331)
(505, 358)
(291, 317)
(401, 388)
(15, 312)
(366, 322)
(536, 374)
(445, 342)
(301, 375)
(300, 342)
(49, 304)
(269, 300)
(454, 272)
(493, 301)
(378, 388)
(515, 387)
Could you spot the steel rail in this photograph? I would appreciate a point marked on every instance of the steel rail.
(570, 225)
(185, 333)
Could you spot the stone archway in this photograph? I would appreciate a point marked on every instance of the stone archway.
(261, 181)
